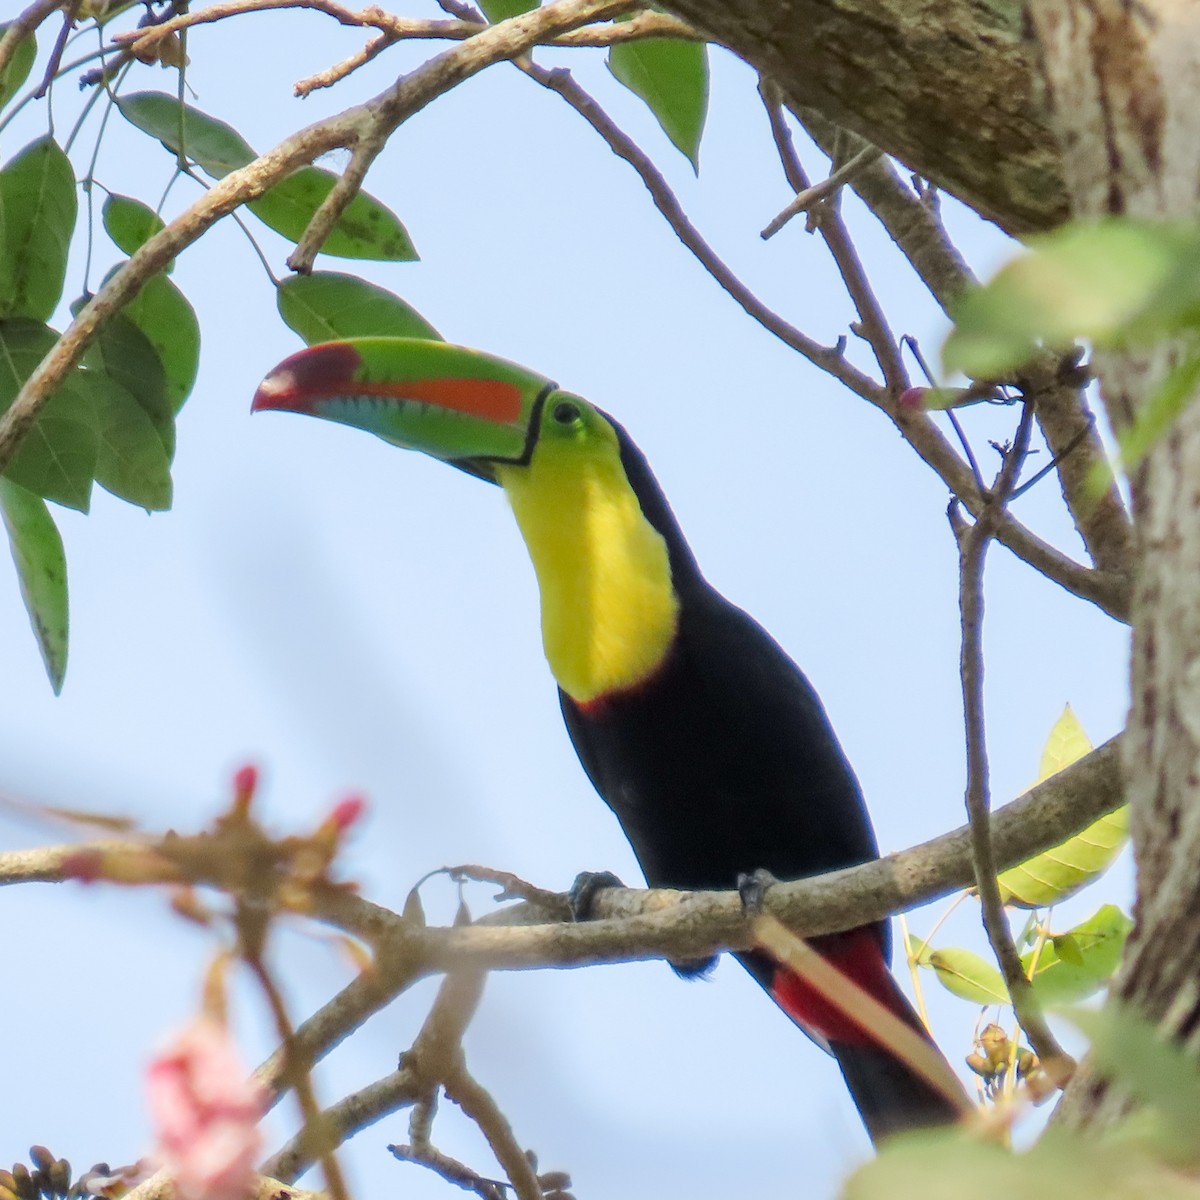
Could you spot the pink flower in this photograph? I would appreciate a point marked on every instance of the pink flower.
(206, 1112)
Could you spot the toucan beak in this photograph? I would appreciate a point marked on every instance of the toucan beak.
(466, 408)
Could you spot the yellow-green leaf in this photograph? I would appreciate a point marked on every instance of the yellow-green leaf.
(967, 976)
(1093, 952)
(1056, 873)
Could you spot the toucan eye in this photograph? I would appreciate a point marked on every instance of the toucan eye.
(565, 412)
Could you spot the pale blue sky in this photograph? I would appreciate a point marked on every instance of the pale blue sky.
(353, 617)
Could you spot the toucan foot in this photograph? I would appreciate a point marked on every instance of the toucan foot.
(753, 889)
(588, 884)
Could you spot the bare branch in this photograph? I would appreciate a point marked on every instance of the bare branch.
(973, 544)
(339, 71)
(807, 197)
(873, 325)
(828, 358)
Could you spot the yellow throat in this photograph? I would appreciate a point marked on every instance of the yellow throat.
(609, 610)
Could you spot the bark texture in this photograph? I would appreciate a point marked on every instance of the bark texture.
(1124, 95)
(946, 86)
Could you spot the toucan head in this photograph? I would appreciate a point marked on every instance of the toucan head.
(473, 410)
(609, 556)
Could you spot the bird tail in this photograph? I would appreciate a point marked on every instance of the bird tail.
(890, 1095)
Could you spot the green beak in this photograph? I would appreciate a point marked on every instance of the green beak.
(464, 407)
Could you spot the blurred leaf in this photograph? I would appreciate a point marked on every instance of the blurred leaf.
(954, 1164)
(1062, 870)
(132, 462)
(1068, 949)
(214, 146)
(367, 229)
(501, 10)
(966, 975)
(19, 66)
(1127, 1049)
(37, 552)
(162, 312)
(37, 197)
(57, 459)
(124, 354)
(130, 223)
(1096, 950)
(671, 76)
(1113, 282)
(327, 306)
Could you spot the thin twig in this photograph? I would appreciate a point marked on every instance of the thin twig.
(20, 28)
(451, 1170)
(809, 196)
(873, 324)
(973, 543)
(297, 1073)
(477, 1102)
(828, 358)
(418, 1072)
(339, 71)
(645, 25)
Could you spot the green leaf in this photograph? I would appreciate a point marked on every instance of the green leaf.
(367, 229)
(1127, 1049)
(1062, 870)
(1096, 947)
(1113, 282)
(327, 306)
(130, 223)
(162, 312)
(214, 146)
(37, 551)
(1160, 411)
(967, 976)
(132, 462)
(57, 458)
(671, 76)
(501, 10)
(37, 196)
(123, 354)
(19, 66)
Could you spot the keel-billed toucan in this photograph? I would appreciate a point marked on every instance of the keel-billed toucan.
(704, 738)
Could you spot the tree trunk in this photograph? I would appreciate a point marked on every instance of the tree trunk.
(946, 86)
(1123, 92)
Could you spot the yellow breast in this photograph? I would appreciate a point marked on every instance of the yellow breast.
(609, 610)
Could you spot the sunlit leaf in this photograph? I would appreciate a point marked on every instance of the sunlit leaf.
(1112, 282)
(1096, 947)
(214, 146)
(671, 76)
(37, 197)
(967, 976)
(1062, 870)
(57, 458)
(327, 306)
(37, 551)
(19, 66)
(367, 228)
(130, 223)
